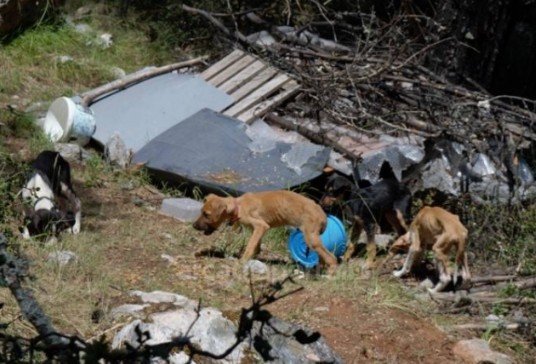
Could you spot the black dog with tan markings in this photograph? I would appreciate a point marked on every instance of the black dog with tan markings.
(365, 207)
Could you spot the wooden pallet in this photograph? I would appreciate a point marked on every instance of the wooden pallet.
(255, 87)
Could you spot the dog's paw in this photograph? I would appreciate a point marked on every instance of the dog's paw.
(398, 273)
(51, 240)
(369, 265)
(76, 229)
(26, 234)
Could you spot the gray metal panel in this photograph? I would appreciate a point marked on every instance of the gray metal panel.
(213, 150)
(142, 111)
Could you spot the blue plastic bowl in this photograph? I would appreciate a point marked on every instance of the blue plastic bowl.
(334, 239)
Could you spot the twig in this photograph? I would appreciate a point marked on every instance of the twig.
(483, 327)
(236, 34)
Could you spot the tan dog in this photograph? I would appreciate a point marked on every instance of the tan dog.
(265, 210)
(435, 229)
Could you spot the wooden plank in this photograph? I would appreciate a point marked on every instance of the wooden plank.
(257, 95)
(222, 64)
(232, 70)
(241, 78)
(260, 109)
(255, 83)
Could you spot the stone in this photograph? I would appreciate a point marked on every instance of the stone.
(62, 257)
(116, 151)
(207, 330)
(255, 266)
(476, 351)
(72, 152)
(183, 209)
(118, 72)
(269, 339)
(128, 309)
(164, 297)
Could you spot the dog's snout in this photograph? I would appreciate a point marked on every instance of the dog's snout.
(201, 225)
(327, 201)
(209, 230)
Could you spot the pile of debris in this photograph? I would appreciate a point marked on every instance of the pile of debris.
(375, 101)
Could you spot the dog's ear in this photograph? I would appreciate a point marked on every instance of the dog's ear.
(210, 197)
(341, 185)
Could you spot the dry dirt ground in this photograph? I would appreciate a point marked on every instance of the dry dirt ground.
(359, 331)
(365, 320)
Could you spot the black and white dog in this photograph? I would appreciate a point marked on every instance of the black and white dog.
(49, 181)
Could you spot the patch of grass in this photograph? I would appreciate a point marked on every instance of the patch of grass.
(18, 124)
(49, 61)
(96, 170)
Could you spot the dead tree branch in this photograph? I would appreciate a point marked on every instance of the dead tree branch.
(90, 96)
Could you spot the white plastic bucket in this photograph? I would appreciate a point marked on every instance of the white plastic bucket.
(66, 120)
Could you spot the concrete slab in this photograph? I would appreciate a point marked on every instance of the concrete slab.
(215, 151)
(142, 111)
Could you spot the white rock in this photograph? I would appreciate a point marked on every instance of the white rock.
(255, 266)
(164, 297)
(208, 330)
(62, 257)
(116, 151)
(128, 309)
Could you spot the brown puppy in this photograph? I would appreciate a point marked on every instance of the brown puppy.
(435, 229)
(264, 210)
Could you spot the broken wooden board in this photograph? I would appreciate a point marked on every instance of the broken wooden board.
(254, 86)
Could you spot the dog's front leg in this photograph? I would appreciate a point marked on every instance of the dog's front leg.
(408, 264)
(444, 278)
(370, 263)
(254, 243)
(441, 249)
(313, 241)
(357, 228)
(25, 233)
(76, 204)
(414, 254)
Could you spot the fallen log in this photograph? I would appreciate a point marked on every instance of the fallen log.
(522, 284)
(470, 298)
(492, 279)
(314, 134)
(88, 97)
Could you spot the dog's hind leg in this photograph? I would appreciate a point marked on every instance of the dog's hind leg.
(441, 249)
(76, 204)
(312, 239)
(461, 264)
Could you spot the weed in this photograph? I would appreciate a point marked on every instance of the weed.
(96, 168)
(19, 124)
